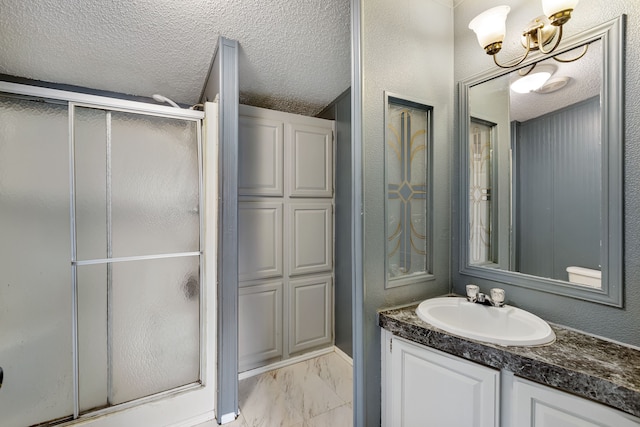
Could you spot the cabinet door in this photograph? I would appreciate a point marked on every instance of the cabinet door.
(285, 235)
(426, 387)
(310, 227)
(260, 251)
(311, 160)
(311, 307)
(260, 156)
(260, 324)
(536, 405)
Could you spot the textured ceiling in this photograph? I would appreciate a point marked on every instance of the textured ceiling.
(585, 82)
(294, 55)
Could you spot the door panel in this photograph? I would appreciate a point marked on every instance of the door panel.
(259, 240)
(35, 281)
(261, 151)
(260, 322)
(155, 191)
(310, 315)
(426, 384)
(155, 327)
(311, 161)
(137, 188)
(310, 238)
(536, 405)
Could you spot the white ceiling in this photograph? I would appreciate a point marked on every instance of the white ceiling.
(294, 55)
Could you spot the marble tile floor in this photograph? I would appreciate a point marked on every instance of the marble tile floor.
(313, 393)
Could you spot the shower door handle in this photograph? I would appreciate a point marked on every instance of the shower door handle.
(1, 376)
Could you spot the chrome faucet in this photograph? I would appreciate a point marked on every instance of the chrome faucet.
(495, 298)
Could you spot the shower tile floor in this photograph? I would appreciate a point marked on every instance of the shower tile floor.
(313, 393)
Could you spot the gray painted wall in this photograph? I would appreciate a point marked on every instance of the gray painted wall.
(557, 180)
(407, 49)
(340, 111)
(615, 323)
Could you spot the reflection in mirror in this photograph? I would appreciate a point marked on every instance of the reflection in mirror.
(541, 187)
(483, 230)
(548, 140)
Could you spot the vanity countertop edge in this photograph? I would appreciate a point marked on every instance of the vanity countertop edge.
(581, 364)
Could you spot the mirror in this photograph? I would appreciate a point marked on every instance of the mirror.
(545, 219)
(541, 171)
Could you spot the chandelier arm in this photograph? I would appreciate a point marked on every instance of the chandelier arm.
(584, 51)
(521, 73)
(518, 62)
(540, 44)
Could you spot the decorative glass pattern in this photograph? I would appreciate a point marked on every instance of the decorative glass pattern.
(480, 183)
(407, 156)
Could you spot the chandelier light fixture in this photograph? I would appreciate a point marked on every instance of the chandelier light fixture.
(490, 28)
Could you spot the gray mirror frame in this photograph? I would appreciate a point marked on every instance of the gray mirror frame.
(612, 34)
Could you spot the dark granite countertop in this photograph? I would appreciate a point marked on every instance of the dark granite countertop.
(581, 364)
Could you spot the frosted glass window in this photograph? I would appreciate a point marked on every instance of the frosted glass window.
(155, 195)
(407, 152)
(35, 252)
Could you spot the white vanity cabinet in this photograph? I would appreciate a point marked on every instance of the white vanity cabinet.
(422, 387)
(426, 387)
(536, 405)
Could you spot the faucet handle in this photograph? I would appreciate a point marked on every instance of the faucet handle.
(497, 297)
(472, 292)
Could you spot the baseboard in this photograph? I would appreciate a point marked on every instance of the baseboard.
(281, 364)
(200, 419)
(343, 355)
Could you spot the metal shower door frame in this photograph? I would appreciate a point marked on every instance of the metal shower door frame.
(192, 403)
(110, 260)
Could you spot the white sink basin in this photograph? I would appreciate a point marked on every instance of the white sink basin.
(508, 326)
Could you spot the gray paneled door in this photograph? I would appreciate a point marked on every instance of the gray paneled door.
(285, 235)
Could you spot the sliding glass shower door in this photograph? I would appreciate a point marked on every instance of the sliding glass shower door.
(137, 254)
(35, 277)
(100, 258)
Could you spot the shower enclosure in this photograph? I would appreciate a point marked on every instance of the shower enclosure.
(103, 297)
